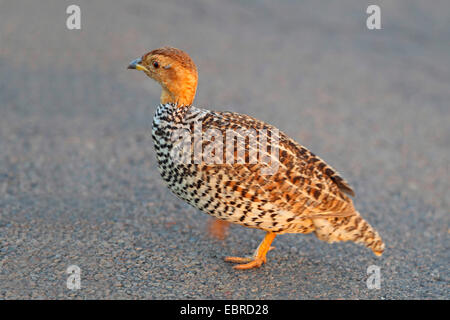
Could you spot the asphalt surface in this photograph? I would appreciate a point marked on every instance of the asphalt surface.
(78, 178)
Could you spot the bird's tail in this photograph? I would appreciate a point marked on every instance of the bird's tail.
(367, 235)
(353, 228)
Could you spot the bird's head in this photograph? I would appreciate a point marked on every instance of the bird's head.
(174, 70)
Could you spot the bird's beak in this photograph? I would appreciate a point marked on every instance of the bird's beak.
(136, 64)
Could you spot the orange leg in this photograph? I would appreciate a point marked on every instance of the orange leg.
(218, 228)
(258, 258)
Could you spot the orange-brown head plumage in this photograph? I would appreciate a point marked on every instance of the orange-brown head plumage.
(174, 70)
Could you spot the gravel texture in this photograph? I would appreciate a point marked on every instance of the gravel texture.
(78, 179)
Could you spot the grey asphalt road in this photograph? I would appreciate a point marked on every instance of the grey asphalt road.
(78, 178)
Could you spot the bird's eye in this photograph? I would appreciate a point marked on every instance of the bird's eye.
(155, 64)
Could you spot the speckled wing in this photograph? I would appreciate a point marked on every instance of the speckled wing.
(303, 184)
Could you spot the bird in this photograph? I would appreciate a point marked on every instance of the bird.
(270, 183)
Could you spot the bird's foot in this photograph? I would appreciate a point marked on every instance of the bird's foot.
(258, 258)
(248, 262)
(218, 228)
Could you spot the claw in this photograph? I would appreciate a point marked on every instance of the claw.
(238, 259)
(246, 263)
(252, 264)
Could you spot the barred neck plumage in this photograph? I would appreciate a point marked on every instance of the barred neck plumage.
(171, 112)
